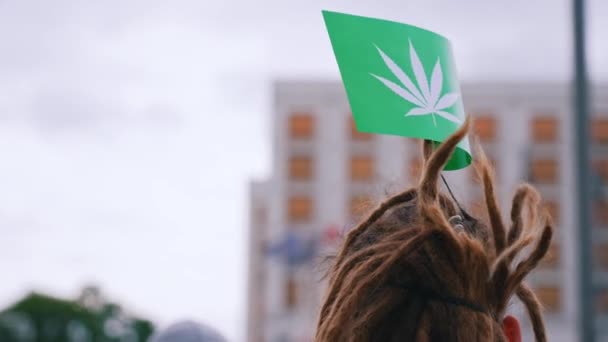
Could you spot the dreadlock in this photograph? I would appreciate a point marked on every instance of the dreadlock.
(416, 270)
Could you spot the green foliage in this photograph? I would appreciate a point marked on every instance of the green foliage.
(90, 318)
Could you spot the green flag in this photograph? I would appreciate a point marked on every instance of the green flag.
(399, 79)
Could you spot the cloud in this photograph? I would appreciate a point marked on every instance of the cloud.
(60, 109)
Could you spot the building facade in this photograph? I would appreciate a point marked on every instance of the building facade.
(326, 176)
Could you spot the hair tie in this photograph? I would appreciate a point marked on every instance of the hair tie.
(435, 296)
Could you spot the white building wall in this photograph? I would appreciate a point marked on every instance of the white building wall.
(257, 272)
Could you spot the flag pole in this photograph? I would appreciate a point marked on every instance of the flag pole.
(586, 321)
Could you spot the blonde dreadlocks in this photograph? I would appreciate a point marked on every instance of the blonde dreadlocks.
(415, 270)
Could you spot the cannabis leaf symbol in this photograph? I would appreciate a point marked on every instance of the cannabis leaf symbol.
(427, 97)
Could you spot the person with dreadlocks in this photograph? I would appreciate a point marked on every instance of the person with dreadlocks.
(420, 268)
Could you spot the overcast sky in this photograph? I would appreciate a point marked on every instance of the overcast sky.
(129, 130)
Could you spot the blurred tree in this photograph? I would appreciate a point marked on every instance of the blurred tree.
(90, 318)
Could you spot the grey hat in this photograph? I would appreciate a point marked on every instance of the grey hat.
(187, 331)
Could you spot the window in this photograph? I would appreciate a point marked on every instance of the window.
(494, 166)
(300, 208)
(545, 129)
(300, 168)
(415, 169)
(553, 209)
(599, 130)
(359, 206)
(601, 168)
(355, 134)
(412, 142)
(600, 212)
(601, 301)
(551, 259)
(301, 126)
(291, 293)
(601, 256)
(485, 128)
(550, 297)
(361, 168)
(543, 171)
(478, 209)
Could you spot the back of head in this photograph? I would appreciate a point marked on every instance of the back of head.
(420, 269)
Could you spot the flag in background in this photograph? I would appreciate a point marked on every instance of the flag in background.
(293, 249)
